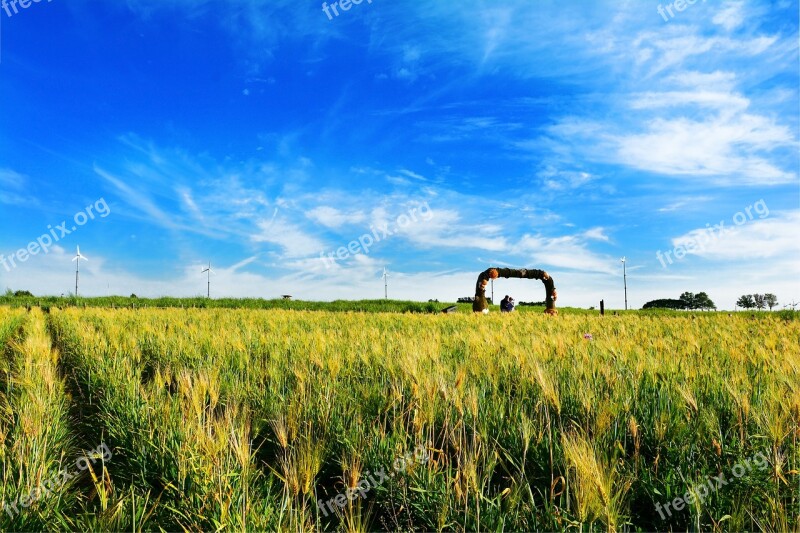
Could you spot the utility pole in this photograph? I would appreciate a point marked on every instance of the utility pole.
(385, 284)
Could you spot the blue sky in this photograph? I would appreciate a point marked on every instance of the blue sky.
(260, 135)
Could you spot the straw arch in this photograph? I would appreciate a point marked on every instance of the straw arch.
(480, 303)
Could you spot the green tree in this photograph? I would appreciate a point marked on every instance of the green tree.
(702, 301)
(746, 301)
(760, 301)
(771, 300)
(689, 299)
(665, 303)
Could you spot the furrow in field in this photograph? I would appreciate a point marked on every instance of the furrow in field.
(39, 456)
(176, 444)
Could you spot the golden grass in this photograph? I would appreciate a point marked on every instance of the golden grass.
(243, 420)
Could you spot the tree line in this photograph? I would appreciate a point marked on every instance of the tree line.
(691, 301)
(686, 301)
(757, 301)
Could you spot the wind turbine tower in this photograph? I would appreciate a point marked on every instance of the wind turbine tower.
(209, 272)
(385, 284)
(77, 260)
(625, 281)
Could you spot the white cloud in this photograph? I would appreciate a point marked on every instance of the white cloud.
(558, 180)
(10, 179)
(721, 101)
(445, 228)
(728, 148)
(413, 175)
(689, 203)
(139, 199)
(334, 218)
(679, 48)
(772, 237)
(185, 194)
(704, 81)
(731, 16)
(596, 234)
(567, 252)
(293, 241)
(12, 189)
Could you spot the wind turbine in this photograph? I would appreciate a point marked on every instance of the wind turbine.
(77, 260)
(625, 281)
(209, 271)
(385, 284)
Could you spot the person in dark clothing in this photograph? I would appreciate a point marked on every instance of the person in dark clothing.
(480, 305)
(507, 304)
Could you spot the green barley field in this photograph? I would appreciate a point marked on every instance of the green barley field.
(333, 420)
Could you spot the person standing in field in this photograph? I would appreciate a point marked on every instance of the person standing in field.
(507, 304)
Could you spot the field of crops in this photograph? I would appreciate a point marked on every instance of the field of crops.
(212, 419)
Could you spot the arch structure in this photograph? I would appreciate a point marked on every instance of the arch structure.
(480, 305)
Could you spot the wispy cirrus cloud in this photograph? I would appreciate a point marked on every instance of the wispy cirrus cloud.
(12, 189)
(332, 217)
(772, 237)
